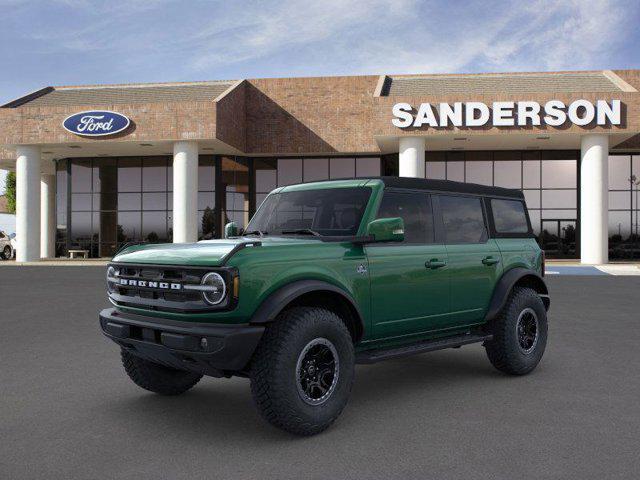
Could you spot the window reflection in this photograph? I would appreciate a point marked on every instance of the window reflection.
(624, 199)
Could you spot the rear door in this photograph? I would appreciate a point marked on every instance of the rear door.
(474, 261)
(409, 280)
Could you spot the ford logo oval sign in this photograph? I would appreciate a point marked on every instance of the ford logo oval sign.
(96, 123)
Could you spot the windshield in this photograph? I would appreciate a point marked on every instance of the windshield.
(330, 211)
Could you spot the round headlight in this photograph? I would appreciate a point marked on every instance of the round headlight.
(111, 274)
(215, 288)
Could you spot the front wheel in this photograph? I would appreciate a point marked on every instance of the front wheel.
(6, 253)
(302, 371)
(158, 378)
(519, 333)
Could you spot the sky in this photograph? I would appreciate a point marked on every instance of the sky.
(74, 42)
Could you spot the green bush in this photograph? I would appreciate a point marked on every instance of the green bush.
(10, 192)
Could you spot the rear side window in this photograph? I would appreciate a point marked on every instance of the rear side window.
(415, 211)
(509, 216)
(463, 219)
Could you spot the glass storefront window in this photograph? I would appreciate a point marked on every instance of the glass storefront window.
(531, 174)
(532, 197)
(620, 200)
(316, 169)
(154, 227)
(479, 172)
(81, 175)
(455, 171)
(61, 208)
(114, 200)
(559, 173)
(109, 207)
(235, 191)
(367, 167)
(562, 198)
(436, 170)
(342, 167)
(154, 201)
(624, 199)
(619, 172)
(154, 178)
(289, 171)
(507, 174)
(129, 174)
(266, 172)
(548, 180)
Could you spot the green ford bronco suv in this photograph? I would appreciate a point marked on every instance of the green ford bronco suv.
(327, 275)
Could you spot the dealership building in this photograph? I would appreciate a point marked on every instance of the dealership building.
(100, 166)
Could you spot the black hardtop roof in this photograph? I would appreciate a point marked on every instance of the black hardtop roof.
(450, 186)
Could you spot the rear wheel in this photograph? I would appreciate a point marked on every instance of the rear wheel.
(302, 371)
(6, 253)
(158, 378)
(519, 333)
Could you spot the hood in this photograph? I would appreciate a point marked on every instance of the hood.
(206, 253)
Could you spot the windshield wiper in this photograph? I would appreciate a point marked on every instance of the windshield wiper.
(255, 232)
(302, 231)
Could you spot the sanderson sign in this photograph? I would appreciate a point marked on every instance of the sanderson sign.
(96, 123)
(507, 114)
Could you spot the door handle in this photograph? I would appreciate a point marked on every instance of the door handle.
(490, 261)
(435, 263)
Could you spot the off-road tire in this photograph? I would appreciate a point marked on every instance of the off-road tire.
(504, 350)
(274, 372)
(6, 253)
(157, 378)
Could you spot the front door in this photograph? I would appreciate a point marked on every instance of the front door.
(558, 238)
(409, 280)
(475, 263)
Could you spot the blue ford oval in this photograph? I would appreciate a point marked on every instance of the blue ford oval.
(96, 123)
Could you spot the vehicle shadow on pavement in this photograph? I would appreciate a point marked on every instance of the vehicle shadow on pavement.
(223, 408)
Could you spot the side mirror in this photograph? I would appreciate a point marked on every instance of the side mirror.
(386, 230)
(230, 230)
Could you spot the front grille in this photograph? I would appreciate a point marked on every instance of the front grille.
(154, 287)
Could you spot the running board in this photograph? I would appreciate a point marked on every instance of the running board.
(374, 356)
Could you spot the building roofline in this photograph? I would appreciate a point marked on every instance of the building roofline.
(28, 97)
(140, 85)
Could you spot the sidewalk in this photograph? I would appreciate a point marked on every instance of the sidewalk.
(574, 267)
(59, 262)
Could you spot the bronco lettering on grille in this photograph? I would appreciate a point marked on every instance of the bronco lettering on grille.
(144, 283)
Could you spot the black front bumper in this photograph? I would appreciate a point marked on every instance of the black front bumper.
(209, 349)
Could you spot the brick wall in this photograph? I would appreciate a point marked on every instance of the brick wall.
(320, 115)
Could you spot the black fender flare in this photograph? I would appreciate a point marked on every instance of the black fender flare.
(278, 300)
(507, 282)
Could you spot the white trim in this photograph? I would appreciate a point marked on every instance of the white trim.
(619, 82)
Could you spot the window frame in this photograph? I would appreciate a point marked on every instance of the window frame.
(494, 233)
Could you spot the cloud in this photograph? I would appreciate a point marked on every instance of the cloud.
(80, 41)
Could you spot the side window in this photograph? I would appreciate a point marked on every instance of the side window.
(463, 219)
(415, 211)
(509, 216)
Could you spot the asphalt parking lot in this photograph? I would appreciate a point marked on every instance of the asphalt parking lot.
(67, 410)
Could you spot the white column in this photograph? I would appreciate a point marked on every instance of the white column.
(411, 156)
(47, 215)
(594, 199)
(185, 192)
(28, 203)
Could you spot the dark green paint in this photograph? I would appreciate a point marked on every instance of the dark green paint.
(404, 292)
